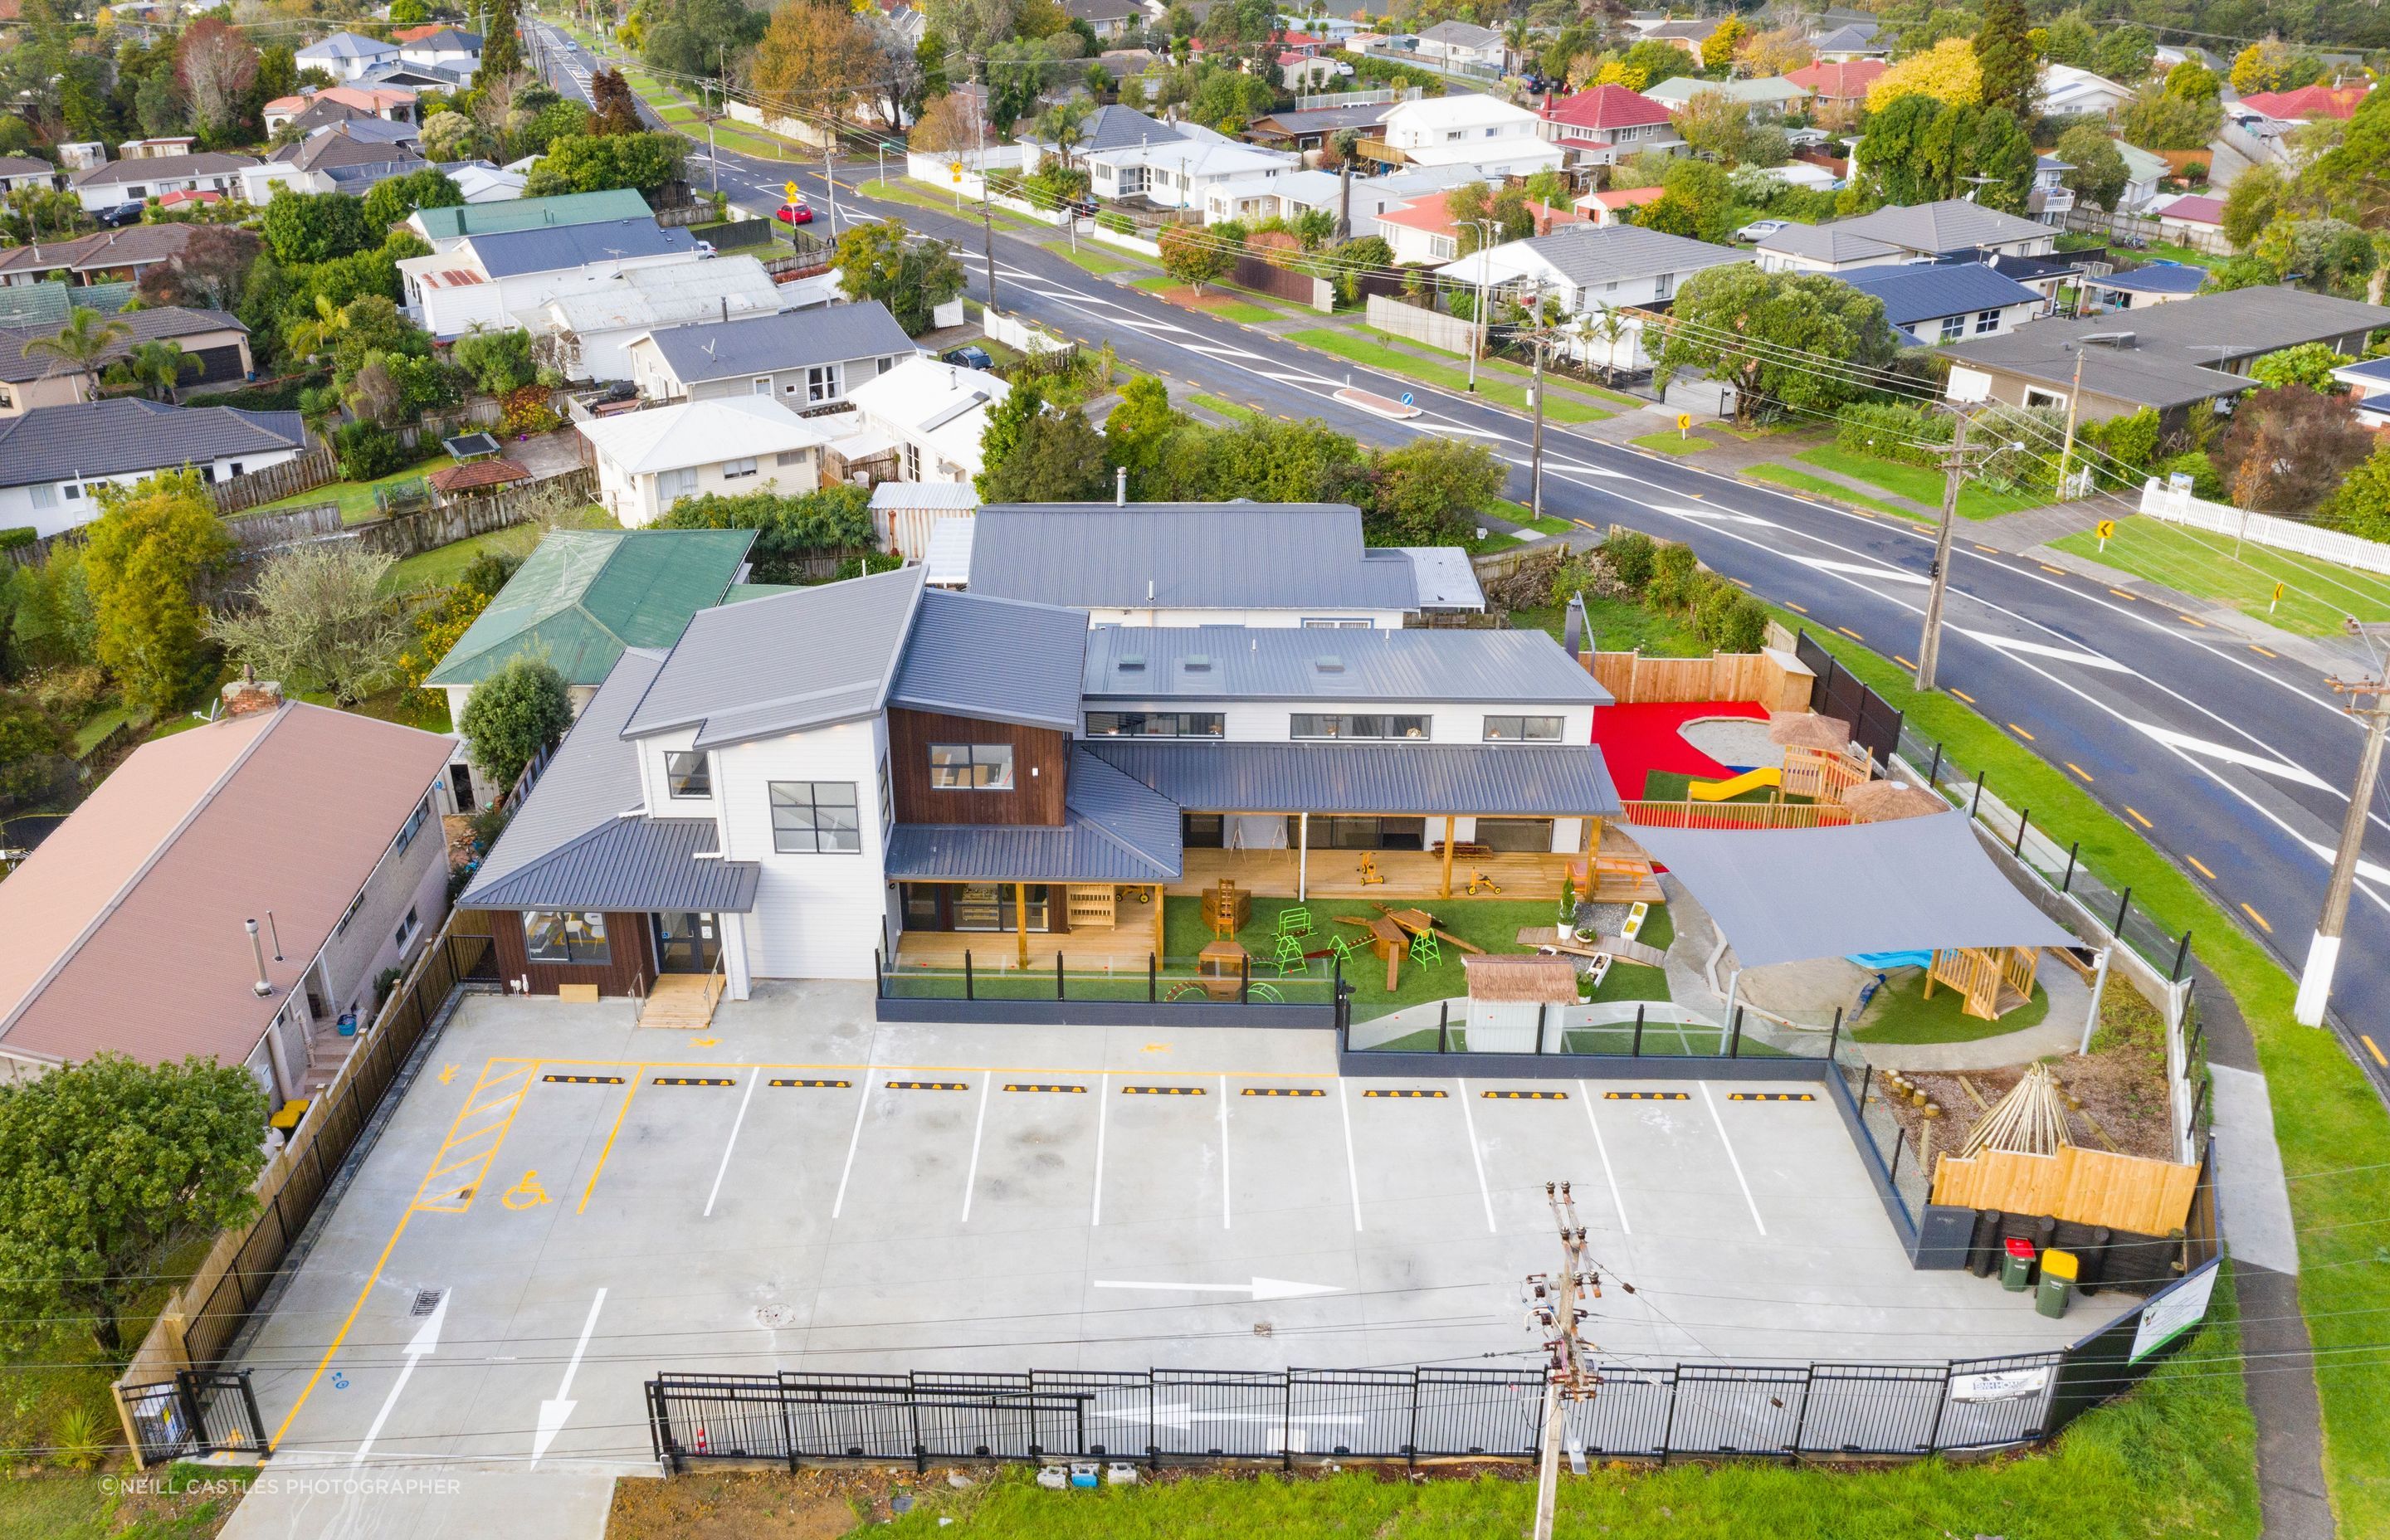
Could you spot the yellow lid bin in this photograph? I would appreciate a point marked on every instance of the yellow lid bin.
(2058, 1264)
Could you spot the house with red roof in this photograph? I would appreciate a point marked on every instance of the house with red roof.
(2196, 221)
(1608, 123)
(2305, 104)
(1617, 205)
(1839, 89)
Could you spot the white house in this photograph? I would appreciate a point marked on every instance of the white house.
(586, 333)
(1936, 303)
(345, 56)
(483, 183)
(1180, 173)
(1604, 124)
(2066, 89)
(800, 358)
(1460, 43)
(2050, 197)
(647, 461)
(1590, 269)
(25, 173)
(937, 411)
(105, 185)
(1472, 130)
(1767, 98)
(499, 280)
(55, 459)
(2143, 174)
(456, 51)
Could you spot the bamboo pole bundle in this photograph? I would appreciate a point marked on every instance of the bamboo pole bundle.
(2031, 1120)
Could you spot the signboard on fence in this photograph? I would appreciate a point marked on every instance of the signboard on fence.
(1999, 1385)
(2171, 1313)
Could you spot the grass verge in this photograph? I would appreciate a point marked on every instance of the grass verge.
(1561, 385)
(1519, 514)
(1360, 350)
(1671, 444)
(1916, 484)
(922, 195)
(2316, 594)
(1818, 486)
(1227, 408)
(1101, 265)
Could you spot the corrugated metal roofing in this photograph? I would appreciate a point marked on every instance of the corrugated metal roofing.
(999, 659)
(1187, 556)
(1927, 291)
(1227, 663)
(1608, 253)
(1445, 578)
(506, 254)
(528, 213)
(1400, 778)
(1117, 831)
(1950, 224)
(791, 340)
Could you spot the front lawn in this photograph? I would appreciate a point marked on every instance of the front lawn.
(1917, 483)
(2316, 594)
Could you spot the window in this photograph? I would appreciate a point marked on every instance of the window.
(1156, 724)
(1953, 327)
(912, 462)
(414, 826)
(1663, 286)
(354, 905)
(887, 797)
(688, 773)
(970, 767)
(822, 382)
(762, 385)
(73, 492)
(1523, 729)
(5, 398)
(1335, 622)
(794, 458)
(673, 485)
(566, 936)
(408, 929)
(815, 815)
(2043, 398)
(236, 467)
(1987, 320)
(1451, 134)
(1443, 248)
(45, 495)
(1304, 725)
(733, 471)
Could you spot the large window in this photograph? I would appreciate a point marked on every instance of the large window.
(822, 383)
(1953, 327)
(413, 826)
(687, 773)
(566, 936)
(970, 767)
(1307, 724)
(1523, 729)
(673, 485)
(1156, 724)
(815, 815)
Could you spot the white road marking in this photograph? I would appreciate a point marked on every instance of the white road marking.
(1620, 1202)
(425, 1341)
(1475, 1156)
(756, 1073)
(1352, 1167)
(555, 1411)
(2296, 774)
(1723, 516)
(2040, 649)
(1259, 1288)
(971, 1178)
(1103, 1110)
(1732, 1159)
(862, 1105)
(1224, 1153)
(1855, 569)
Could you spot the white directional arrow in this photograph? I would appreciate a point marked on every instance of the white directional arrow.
(1258, 1290)
(420, 1346)
(554, 1411)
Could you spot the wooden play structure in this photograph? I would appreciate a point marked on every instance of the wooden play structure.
(1995, 981)
(2031, 1120)
(1823, 775)
(2021, 1158)
(1227, 908)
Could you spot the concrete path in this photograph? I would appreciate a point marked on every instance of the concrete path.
(407, 1500)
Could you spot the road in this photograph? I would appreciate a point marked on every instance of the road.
(2232, 759)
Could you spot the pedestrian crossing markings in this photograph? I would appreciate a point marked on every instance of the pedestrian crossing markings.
(1769, 1095)
(694, 1080)
(817, 1085)
(1284, 1091)
(1647, 1095)
(583, 1080)
(1404, 1094)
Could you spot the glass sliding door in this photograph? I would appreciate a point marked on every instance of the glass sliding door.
(994, 906)
(687, 943)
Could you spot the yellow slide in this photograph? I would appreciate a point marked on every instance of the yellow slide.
(1727, 790)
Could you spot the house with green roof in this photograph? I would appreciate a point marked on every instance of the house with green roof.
(583, 598)
(445, 227)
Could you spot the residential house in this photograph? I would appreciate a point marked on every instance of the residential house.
(2368, 384)
(232, 893)
(1590, 269)
(448, 49)
(2050, 199)
(1691, 36)
(937, 412)
(1117, 126)
(104, 186)
(1315, 128)
(2159, 283)
(26, 174)
(164, 146)
(2304, 105)
(1609, 123)
(1458, 46)
(820, 782)
(1853, 42)
(498, 278)
(1951, 227)
(1934, 303)
(54, 459)
(50, 302)
(1180, 564)
(2066, 90)
(2194, 220)
(346, 56)
(447, 229)
(579, 601)
(215, 347)
(314, 107)
(483, 183)
(2176, 358)
(1838, 88)
(1422, 232)
(323, 113)
(1303, 72)
(349, 157)
(397, 74)
(1617, 205)
(102, 257)
(586, 334)
(647, 461)
(1108, 19)
(1181, 173)
(800, 358)
(2144, 173)
(1296, 191)
(1464, 129)
(1767, 98)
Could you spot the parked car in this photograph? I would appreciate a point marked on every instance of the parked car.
(1760, 230)
(795, 212)
(122, 214)
(705, 248)
(970, 357)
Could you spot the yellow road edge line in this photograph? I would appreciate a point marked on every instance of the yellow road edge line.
(2080, 771)
(1852, 634)
(2060, 570)
(1902, 661)
(2020, 732)
(2202, 866)
(2262, 923)
(2375, 1051)
(1794, 607)
(2135, 599)
(2137, 818)
(2266, 651)
(371, 1278)
(1963, 695)
(2188, 621)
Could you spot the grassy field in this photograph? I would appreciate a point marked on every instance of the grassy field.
(1360, 350)
(1901, 1013)
(2316, 594)
(1916, 484)
(356, 498)
(1818, 486)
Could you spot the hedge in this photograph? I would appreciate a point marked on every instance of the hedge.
(1907, 434)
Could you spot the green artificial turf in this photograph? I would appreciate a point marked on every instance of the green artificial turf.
(2316, 595)
(1901, 1013)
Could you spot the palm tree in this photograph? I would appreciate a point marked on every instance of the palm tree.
(1065, 125)
(79, 343)
(310, 337)
(158, 368)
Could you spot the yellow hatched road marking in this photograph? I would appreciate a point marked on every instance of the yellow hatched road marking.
(473, 1139)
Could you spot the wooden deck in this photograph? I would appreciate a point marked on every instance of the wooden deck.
(1123, 947)
(1624, 875)
(682, 1001)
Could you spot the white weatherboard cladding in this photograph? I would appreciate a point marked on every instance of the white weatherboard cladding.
(1381, 620)
(1272, 721)
(816, 915)
(655, 786)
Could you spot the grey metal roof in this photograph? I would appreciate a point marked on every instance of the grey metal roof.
(347, 45)
(970, 654)
(1951, 224)
(1400, 778)
(1465, 35)
(121, 433)
(1187, 556)
(1848, 40)
(504, 253)
(1116, 829)
(2159, 277)
(1827, 243)
(161, 167)
(791, 340)
(776, 665)
(1912, 884)
(1325, 120)
(569, 846)
(1374, 667)
(1607, 253)
(1118, 126)
(166, 323)
(1928, 291)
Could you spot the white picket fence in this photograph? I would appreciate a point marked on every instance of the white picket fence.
(2177, 505)
(1015, 333)
(1095, 231)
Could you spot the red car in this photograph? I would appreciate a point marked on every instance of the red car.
(798, 213)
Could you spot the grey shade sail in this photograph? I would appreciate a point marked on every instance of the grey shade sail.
(1785, 895)
(1114, 830)
(1400, 778)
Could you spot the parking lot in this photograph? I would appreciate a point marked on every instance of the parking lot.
(564, 1204)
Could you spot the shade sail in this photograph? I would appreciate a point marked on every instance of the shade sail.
(1789, 895)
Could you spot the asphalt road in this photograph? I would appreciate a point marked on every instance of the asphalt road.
(2233, 761)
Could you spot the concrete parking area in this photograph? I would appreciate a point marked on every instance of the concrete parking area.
(565, 1204)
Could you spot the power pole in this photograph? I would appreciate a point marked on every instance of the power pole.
(986, 213)
(1536, 457)
(2075, 397)
(2323, 952)
(1569, 1374)
(1954, 470)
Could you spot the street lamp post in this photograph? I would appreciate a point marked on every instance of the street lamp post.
(1486, 230)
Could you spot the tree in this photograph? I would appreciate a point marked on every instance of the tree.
(1718, 49)
(1007, 427)
(2124, 53)
(2251, 205)
(1195, 256)
(972, 27)
(2289, 448)
(313, 227)
(2193, 81)
(1779, 52)
(514, 716)
(695, 37)
(145, 555)
(1719, 128)
(2354, 175)
(1947, 71)
(393, 200)
(912, 276)
(107, 1165)
(2099, 172)
(2361, 507)
(450, 136)
(1655, 60)
(790, 531)
(1797, 316)
(2309, 364)
(812, 56)
(319, 613)
(1060, 458)
(501, 44)
(499, 361)
(2004, 57)
(211, 273)
(2328, 254)
(2156, 119)
(1139, 431)
(587, 162)
(2261, 67)
(156, 368)
(75, 348)
(618, 109)
(408, 13)
(1429, 491)
(214, 64)
(950, 123)
(34, 749)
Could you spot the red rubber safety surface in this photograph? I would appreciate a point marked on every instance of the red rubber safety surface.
(1635, 740)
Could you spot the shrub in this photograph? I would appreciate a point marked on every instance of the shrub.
(80, 1438)
(513, 715)
(21, 534)
(2205, 479)
(527, 411)
(368, 450)
(1674, 570)
(1631, 555)
(1907, 434)
(1118, 224)
(72, 693)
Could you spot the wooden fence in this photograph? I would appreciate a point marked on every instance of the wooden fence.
(1659, 814)
(1253, 270)
(2083, 1187)
(1774, 679)
(274, 483)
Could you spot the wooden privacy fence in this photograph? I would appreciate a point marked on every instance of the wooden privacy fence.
(1689, 814)
(2083, 1187)
(275, 481)
(1776, 680)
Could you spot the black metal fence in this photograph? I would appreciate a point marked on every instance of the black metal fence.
(198, 1413)
(1837, 692)
(1158, 991)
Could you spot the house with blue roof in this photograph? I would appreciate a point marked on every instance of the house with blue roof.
(499, 278)
(1934, 302)
(2157, 283)
(864, 775)
(2368, 384)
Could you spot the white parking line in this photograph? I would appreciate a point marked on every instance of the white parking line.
(1103, 1115)
(755, 1074)
(1587, 1097)
(1477, 1156)
(862, 1105)
(1731, 1158)
(971, 1179)
(1352, 1167)
(1224, 1153)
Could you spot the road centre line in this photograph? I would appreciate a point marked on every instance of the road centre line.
(862, 1105)
(1352, 1167)
(970, 1177)
(1732, 1159)
(755, 1076)
(1476, 1156)
(1601, 1148)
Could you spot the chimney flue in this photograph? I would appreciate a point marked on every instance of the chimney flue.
(1120, 487)
(264, 986)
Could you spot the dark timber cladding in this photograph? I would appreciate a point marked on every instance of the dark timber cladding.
(629, 965)
(1038, 759)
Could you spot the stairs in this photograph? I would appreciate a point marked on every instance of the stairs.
(327, 1051)
(682, 1002)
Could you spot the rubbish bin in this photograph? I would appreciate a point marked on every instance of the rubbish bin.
(2057, 1288)
(2016, 1265)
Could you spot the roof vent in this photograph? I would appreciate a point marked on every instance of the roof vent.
(1132, 663)
(1328, 663)
(1198, 663)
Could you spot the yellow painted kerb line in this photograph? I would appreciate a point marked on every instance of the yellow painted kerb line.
(371, 1278)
